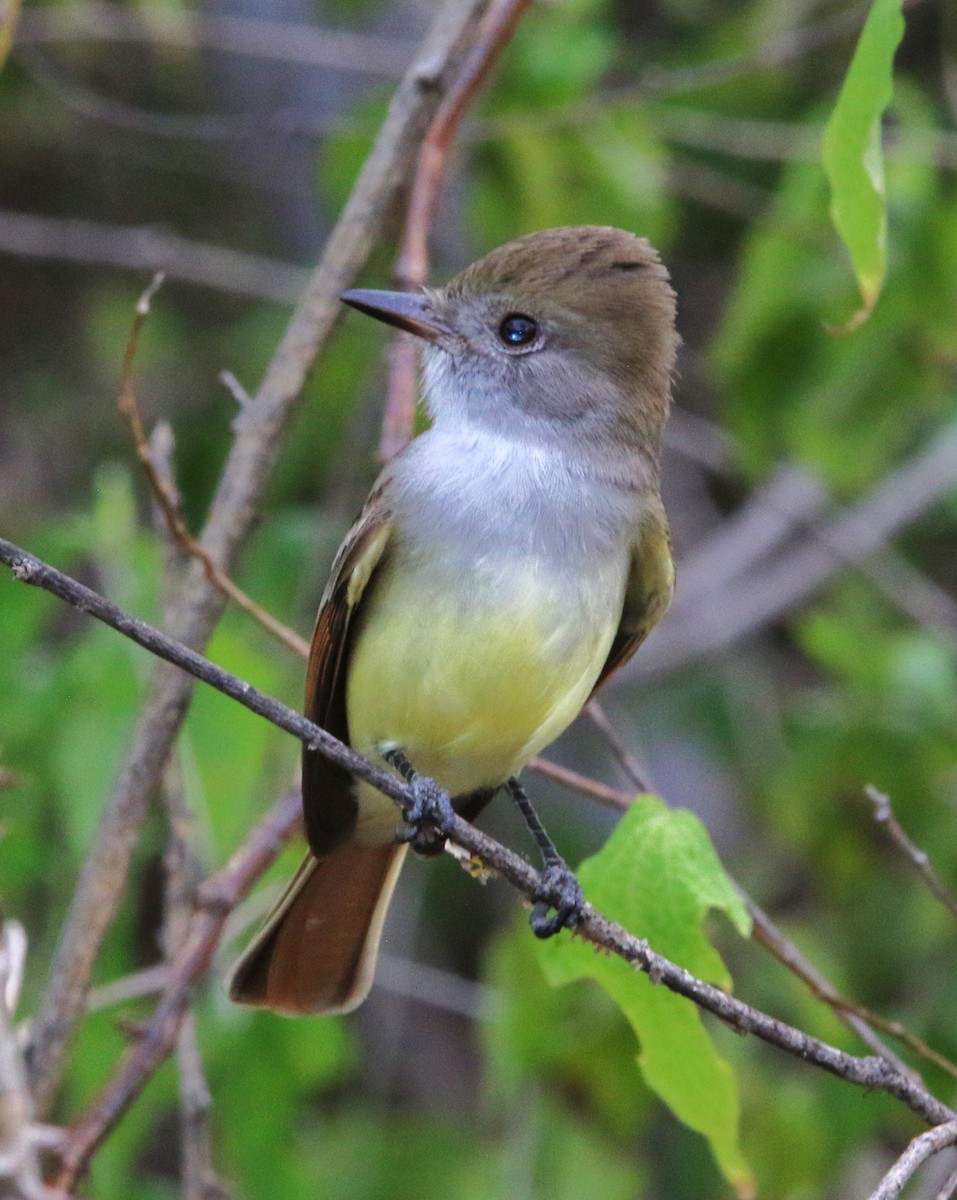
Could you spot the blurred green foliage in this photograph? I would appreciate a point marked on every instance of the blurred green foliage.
(591, 117)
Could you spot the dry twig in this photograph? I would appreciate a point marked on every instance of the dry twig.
(20, 1138)
(849, 537)
(143, 248)
(581, 783)
(412, 268)
(884, 815)
(167, 497)
(923, 1147)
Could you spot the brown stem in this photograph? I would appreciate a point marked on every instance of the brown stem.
(884, 815)
(412, 268)
(580, 783)
(216, 899)
(167, 497)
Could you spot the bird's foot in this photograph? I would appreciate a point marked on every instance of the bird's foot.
(558, 893)
(429, 816)
(559, 900)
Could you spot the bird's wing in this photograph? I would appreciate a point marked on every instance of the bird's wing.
(651, 582)
(329, 805)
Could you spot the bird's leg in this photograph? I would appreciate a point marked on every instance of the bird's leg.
(559, 889)
(429, 817)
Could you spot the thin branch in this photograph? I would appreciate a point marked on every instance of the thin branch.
(923, 1147)
(182, 863)
(258, 440)
(134, 986)
(222, 891)
(884, 815)
(858, 1018)
(334, 49)
(601, 792)
(949, 1187)
(855, 1017)
(412, 269)
(216, 899)
(143, 248)
(763, 929)
(184, 875)
(20, 1139)
(616, 743)
(849, 537)
(167, 497)
(200, 1179)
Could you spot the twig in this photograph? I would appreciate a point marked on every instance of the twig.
(183, 877)
(884, 815)
(412, 268)
(167, 497)
(142, 248)
(851, 536)
(923, 1147)
(183, 866)
(335, 49)
(222, 891)
(257, 444)
(215, 900)
(766, 933)
(200, 1180)
(134, 986)
(629, 764)
(20, 1175)
(581, 783)
(857, 1018)
(896, 1030)
(949, 1187)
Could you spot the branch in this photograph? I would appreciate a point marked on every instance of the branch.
(884, 815)
(223, 890)
(335, 49)
(259, 438)
(850, 537)
(20, 1139)
(601, 792)
(412, 268)
(765, 932)
(923, 1147)
(215, 900)
(143, 248)
(166, 494)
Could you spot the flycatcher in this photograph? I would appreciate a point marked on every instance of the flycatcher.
(504, 565)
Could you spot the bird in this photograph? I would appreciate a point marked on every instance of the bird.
(506, 563)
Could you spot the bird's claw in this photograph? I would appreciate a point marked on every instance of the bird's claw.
(429, 816)
(560, 891)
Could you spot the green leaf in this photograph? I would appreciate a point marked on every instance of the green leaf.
(659, 875)
(853, 159)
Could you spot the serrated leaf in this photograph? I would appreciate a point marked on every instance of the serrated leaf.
(852, 156)
(659, 875)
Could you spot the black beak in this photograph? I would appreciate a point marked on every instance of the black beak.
(411, 311)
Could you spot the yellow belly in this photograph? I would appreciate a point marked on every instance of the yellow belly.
(472, 688)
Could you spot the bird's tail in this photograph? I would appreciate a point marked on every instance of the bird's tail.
(316, 952)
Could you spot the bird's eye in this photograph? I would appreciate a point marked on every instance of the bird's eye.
(518, 330)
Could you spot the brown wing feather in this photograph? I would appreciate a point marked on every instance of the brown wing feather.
(651, 581)
(328, 802)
